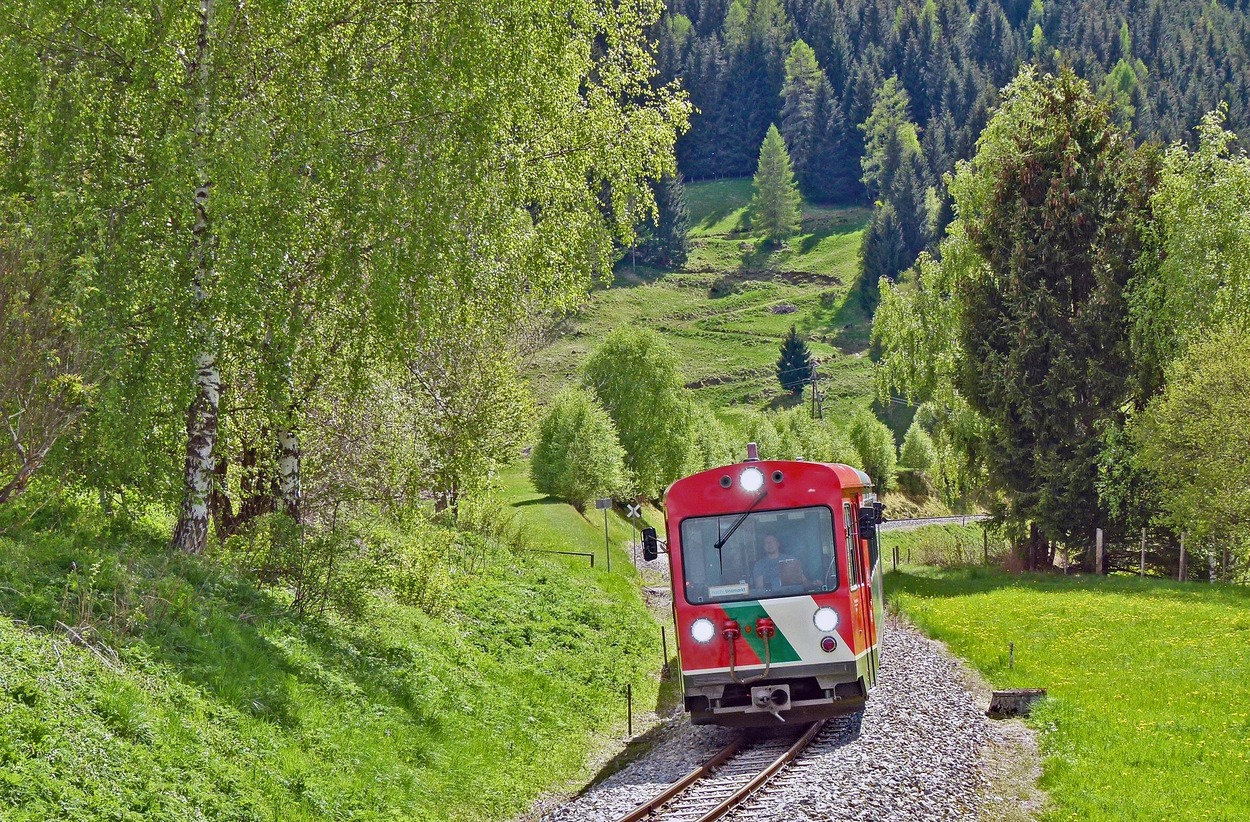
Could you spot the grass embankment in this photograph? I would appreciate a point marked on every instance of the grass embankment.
(201, 696)
(1149, 682)
(726, 311)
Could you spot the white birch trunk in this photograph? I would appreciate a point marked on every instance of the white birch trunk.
(289, 458)
(191, 533)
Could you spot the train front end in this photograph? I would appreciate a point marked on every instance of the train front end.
(776, 591)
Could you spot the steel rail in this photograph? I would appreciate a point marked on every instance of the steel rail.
(764, 775)
(725, 754)
(686, 781)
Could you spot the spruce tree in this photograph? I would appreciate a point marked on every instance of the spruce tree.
(794, 368)
(775, 207)
(663, 243)
(1060, 235)
(805, 84)
(883, 253)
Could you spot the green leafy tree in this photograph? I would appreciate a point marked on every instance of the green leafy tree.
(919, 455)
(794, 368)
(278, 196)
(775, 210)
(636, 376)
(577, 457)
(1202, 204)
(874, 442)
(1193, 438)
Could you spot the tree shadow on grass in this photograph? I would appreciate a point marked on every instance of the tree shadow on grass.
(785, 401)
(525, 503)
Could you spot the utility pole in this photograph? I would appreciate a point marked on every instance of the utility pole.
(818, 406)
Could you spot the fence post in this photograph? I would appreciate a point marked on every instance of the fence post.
(1183, 571)
(1099, 553)
(1142, 571)
(629, 706)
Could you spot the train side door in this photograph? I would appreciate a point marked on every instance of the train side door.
(855, 574)
(861, 591)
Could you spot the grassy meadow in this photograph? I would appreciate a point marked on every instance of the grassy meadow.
(726, 311)
(140, 685)
(1148, 715)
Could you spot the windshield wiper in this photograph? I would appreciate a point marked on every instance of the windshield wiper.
(720, 543)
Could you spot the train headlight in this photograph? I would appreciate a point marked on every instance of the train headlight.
(826, 619)
(702, 630)
(751, 480)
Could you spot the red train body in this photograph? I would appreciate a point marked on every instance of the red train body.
(776, 590)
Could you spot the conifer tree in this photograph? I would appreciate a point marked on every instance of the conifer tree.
(794, 368)
(799, 126)
(883, 253)
(775, 207)
(663, 243)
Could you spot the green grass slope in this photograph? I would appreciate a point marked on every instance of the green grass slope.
(1149, 682)
(726, 311)
(136, 685)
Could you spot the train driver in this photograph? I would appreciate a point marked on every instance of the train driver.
(775, 570)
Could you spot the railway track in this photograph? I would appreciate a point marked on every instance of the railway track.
(919, 522)
(730, 776)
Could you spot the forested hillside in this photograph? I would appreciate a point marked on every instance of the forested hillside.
(1164, 64)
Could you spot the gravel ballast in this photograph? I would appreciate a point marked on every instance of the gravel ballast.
(925, 751)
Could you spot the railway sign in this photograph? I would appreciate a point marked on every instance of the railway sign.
(634, 511)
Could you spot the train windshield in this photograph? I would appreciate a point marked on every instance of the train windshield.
(771, 554)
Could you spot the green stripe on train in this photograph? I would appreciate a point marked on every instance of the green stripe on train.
(746, 614)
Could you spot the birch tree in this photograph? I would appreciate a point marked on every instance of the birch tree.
(265, 197)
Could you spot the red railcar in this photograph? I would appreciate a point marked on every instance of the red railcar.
(776, 590)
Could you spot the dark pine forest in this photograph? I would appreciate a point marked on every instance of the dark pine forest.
(1162, 64)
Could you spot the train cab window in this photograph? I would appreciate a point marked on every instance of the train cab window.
(852, 545)
(770, 553)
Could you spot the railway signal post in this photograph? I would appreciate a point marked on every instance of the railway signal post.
(634, 512)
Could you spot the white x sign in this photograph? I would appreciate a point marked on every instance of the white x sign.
(635, 511)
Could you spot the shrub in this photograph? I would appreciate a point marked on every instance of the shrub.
(577, 457)
(711, 442)
(919, 454)
(875, 443)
